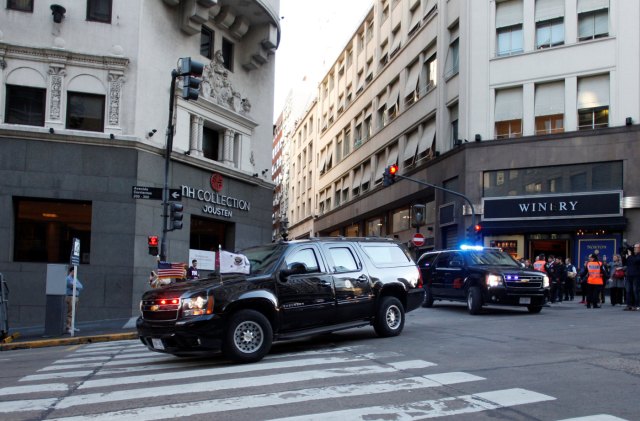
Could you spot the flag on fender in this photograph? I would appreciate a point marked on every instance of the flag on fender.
(232, 262)
(171, 270)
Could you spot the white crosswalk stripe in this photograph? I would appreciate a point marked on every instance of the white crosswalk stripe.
(98, 378)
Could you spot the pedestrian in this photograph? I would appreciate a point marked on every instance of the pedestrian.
(595, 274)
(192, 272)
(632, 284)
(70, 299)
(528, 264)
(570, 281)
(616, 280)
(557, 275)
(539, 264)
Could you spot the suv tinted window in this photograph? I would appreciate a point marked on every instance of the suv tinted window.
(343, 259)
(263, 258)
(306, 256)
(426, 260)
(385, 254)
(445, 259)
(490, 257)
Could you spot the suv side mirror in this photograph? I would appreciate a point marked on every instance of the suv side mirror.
(295, 268)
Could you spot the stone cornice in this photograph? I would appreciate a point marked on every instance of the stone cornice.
(63, 57)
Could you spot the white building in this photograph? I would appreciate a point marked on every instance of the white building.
(84, 107)
(522, 106)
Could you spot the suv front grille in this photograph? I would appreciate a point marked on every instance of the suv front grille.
(160, 309)
(523, 281)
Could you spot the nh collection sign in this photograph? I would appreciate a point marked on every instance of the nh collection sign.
(552, 206)
(216, 203)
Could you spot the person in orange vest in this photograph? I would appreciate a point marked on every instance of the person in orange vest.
(596, 274)
(540, 263)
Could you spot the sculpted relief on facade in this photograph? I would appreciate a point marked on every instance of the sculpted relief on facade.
(218, 87)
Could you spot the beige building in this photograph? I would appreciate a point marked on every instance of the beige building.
(529, 108)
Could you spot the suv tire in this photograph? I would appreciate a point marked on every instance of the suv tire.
(390, 318)
(534, 309)
(428, 298)
(474, 300)
(248, 337)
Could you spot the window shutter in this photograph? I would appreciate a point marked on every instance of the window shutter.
(412, 79)
(392, 159)
(549, 9)
(591, 5)
(593, 91)
(509, 104)
(508, 13)
(412, 144)
(428, 133)
(549, 99)
(393, 95)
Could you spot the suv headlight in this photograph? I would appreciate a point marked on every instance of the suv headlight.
(545, 281)
(494, 280)
(197, 305)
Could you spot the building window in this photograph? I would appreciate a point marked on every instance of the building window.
(211, 143)
(25, 105)
(44, 230)
(593, 24)
(454, 131)
(400, 220)
(99, 11)
(432, 72)
(550, 33)
(510, 40)
(453, 60)
(20, 5)
(227, 54)
(85, 112)
(593, 118)
(206, 42)
(549, 124)
(347, 143)
(508, 129)
(374, 228)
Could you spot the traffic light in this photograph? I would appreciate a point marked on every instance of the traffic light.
(389, 175)
(477, 230)
(175, 215)
(190, 70)
(152, 241)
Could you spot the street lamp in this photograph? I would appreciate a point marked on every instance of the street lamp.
(418, 216)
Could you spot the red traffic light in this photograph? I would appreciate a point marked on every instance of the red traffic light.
(152, 240)
(477, 228)
(393, 169)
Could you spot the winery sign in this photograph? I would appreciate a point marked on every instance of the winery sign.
(552, 206)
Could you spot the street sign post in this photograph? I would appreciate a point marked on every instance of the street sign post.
(143, 192)
(175, 195)
(418, 239)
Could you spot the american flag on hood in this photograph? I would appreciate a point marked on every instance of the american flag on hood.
(171, 270)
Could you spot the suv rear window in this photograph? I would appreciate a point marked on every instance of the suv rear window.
(385, 254)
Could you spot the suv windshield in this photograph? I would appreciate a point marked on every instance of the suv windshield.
(263, 258)
(490, 258)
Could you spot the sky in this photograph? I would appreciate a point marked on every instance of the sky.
(313, 33)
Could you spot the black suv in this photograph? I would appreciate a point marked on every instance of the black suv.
(294, 289)
(481, 276)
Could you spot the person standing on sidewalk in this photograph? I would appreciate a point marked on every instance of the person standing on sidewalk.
(595, 280)
(570, 282)
(69, 297)
(616, 282)
(633, 279)
(192, 272)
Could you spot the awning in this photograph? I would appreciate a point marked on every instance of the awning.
(427, 136)
(393, 95)
(357, 179)
(392, 159)
(366, 174)
(411, 146)
(412, 79)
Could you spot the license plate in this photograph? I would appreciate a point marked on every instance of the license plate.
(525, 300)
(157, 343)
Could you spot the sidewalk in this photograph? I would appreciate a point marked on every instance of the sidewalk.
(104, 331)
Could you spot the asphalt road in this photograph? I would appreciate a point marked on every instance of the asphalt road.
(567, 362)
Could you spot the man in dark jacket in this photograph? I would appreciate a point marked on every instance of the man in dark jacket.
(632, 284)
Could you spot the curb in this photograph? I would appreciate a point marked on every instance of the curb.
(68, 341)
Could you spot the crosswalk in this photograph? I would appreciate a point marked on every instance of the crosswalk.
(124, 381)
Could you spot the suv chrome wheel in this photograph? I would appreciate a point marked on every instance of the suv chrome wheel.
(390, 317)
(248, 338)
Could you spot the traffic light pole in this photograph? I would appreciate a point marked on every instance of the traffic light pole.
(473, 212)
(167, 156)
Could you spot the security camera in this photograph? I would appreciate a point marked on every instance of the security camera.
(152, 132)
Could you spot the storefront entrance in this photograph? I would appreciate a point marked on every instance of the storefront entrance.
(207, 234)
(558, 248)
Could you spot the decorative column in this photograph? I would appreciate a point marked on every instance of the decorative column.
(195, 139)
(56, 77)
(227, 149)
(116, 80)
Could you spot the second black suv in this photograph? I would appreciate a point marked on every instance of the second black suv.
(481, 276)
